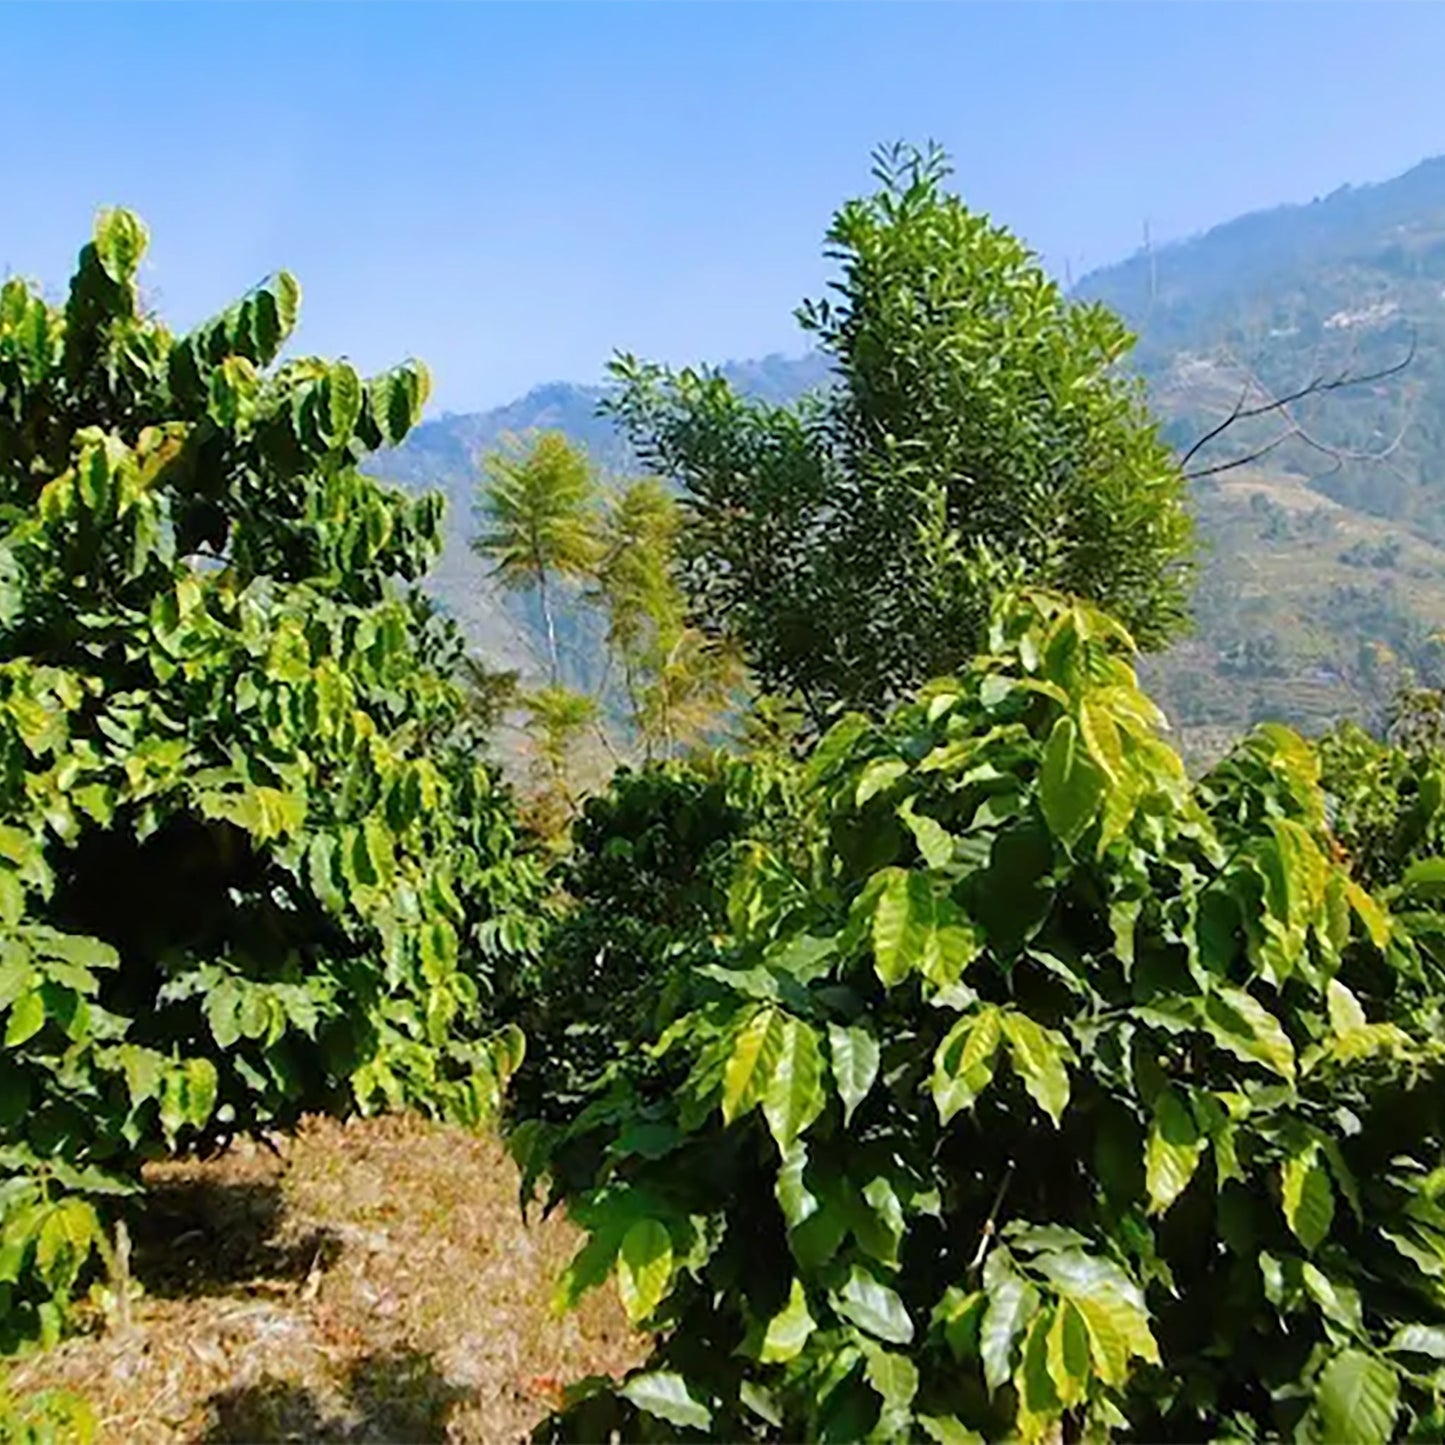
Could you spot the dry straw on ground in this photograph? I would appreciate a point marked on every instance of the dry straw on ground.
(369, 1281)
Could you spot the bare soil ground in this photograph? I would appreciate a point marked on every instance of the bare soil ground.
(374, 1281)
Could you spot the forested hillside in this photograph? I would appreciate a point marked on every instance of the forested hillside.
(1324, 568)
(1326, 572)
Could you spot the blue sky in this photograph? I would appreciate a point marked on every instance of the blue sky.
(512, 192)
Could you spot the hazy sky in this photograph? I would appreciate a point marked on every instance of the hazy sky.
(512, 192)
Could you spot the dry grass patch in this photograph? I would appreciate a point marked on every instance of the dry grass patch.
(369, 1281)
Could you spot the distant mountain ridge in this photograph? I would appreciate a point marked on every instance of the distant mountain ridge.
(1324, 573)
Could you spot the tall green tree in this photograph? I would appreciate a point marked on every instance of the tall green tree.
(978, 436)
(678, 680)
(548, 522)
(537, 507)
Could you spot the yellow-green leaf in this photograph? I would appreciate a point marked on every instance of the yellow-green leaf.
(963, 1065)
(1173, 1151)
(788, 1330)
(27, 1017)
(1307, 1196)
(1068, 1353)
(1070, 785)
(1358, 1398)
(752, 1061)
(1038, 1056)
(795, 1096)
(644, 1268)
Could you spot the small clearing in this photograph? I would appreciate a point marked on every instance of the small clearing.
(364, 1282)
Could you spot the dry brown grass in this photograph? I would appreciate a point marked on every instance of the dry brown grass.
(372, 1281)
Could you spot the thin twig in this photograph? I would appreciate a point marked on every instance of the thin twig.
(987, 1232)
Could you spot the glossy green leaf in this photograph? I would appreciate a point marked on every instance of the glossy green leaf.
(795, 1094)
(1038, 1056)
(963, 1065)
(644, 1268)
(27, 1018)
(1011, 1303)
(1307, 1196)
(1070, 784)
(666, 1395)
(1068, 1354)
(789, 1329)
(873, 1307)
(1357, 1399)
(1172, 1152)
(853, 1054)
(751, 1065)
(935, 842)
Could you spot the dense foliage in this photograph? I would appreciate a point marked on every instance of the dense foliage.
(1052, 1093)
(978, 435)
(644, 883)
(249, 860)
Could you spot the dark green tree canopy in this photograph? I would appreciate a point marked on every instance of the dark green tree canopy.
(978, 435)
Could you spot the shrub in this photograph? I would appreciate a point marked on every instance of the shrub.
(249, 863)
(1054, 1096)
(646, 906)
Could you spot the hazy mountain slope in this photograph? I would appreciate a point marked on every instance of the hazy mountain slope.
(1326, 572)
(1324, 569)
(445, 454)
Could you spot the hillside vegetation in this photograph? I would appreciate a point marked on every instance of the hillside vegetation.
(901, 1041)
(1323, 575)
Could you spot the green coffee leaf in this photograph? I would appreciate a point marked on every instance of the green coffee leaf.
(1100, 734)
(873, 1307)
(1038, 1057)
(1240, 1023)
(667, 1396)
(894, 1378)
(1034, 1381)
(1068, 1354)
(902, 916)
(948, 1430)
(1307, 1196)
(963, 1065)
(1420, 1340)
(935, 842)
(201, 1086)
(795, 1095)
(853, 1053)
(789, 1329)
(1172, 1152)
(1346, 1015)
(1070, 785)
(750, 1066)
(644, 1268)
(27, 1018)
(877, 777)
(1011, 1303)
(1357, 1398)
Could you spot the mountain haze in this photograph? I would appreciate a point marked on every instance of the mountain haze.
(1323, 574)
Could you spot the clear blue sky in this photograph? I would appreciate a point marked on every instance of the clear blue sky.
(513, 191)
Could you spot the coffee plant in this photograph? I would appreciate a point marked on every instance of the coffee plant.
(644, 907)
(249, 861)
(1047, 1096)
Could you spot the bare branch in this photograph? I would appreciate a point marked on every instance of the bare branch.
(1319, 385)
